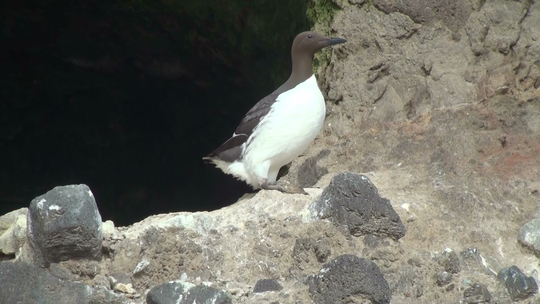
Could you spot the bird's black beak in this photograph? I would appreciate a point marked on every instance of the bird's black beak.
(334, 41)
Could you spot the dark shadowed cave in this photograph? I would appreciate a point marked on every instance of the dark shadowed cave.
(128, 96)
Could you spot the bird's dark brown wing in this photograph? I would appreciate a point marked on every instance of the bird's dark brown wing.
(256, 114)
(231, 150)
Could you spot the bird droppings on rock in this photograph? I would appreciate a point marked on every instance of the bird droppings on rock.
(352, 201)
(518, 285)
(65, 224)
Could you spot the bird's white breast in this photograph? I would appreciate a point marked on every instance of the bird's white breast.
(290, 127)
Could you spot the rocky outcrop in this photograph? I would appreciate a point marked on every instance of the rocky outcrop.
(258, 250)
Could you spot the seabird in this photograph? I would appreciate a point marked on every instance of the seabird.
(280, 126)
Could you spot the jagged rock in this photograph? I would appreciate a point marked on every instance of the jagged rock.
(64, 224)
(178, 292)
(12, 231)
(477, 293)
(444, 278)
(346, 278)
(518, 285)
(27, 284)
(529, 236)
(450, 261)
(264, 285)
(353, 201)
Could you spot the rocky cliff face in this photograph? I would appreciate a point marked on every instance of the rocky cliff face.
(439, 106)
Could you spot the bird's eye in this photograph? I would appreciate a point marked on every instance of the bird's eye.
(309, 36)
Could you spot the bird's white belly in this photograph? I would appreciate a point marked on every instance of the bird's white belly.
(292, 124)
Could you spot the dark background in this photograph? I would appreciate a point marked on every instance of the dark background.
(128, 96)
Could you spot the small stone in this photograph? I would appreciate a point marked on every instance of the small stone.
(450, 261)
(477, 293)
(91, 269)
(141, 266)
(518, 285)
(125, 288)
(265, 285)
(444, 278)
(101, 281)
(529, 236)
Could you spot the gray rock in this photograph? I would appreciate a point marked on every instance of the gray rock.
(65, 224)
(178, 292)
(310, 172)
(264, 285)
(518, 285)
(353, 201)
(444, 278)
(450, 261)
(477, 293)
(529, 236)
(26, 284)
(347, 277)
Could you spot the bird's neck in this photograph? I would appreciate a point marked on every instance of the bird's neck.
(302, 70)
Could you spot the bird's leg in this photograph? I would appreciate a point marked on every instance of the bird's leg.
(293, 190)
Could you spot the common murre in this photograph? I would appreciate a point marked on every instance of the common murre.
(280, 126)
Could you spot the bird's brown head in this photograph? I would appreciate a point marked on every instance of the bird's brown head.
(303, 48)
(307, 43)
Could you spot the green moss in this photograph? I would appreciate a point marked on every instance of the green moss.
(321, 12)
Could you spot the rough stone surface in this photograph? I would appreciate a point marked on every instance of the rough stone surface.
(352, 200)
(265, 285)
(444, 278)
(450, 261)
(178, 292)
(24, 283)
(310, 172)
(529, 236)
(349, 278)
(519, 285)
(12, 231)
(65, 224)
(477, 293)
